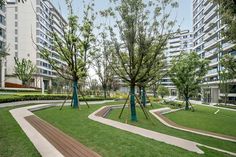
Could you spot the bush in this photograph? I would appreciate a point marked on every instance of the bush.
(174, 104)
(13, 98)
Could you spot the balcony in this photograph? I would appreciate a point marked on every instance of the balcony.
(212, 72)
(210, 16)
(213, 62)
(211, 53)
(208, 8)
(227, 46)
(210, 34)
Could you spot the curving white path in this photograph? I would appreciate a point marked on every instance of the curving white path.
(182, 143)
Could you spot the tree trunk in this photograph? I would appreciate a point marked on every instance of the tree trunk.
(132, 103)
(140, 92)
(105, 92)
(154, 93)
(186, 103)
(144, 102)
(75, 94)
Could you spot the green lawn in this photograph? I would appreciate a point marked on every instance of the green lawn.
(156, 125)
(13, 141)
(224, 122)
(112, 142)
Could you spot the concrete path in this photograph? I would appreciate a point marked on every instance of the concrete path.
(158, 114)
(179, 142)
(19, 103)
(44, 147)
(182, 143)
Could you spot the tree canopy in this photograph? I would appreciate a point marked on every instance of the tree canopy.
(139, 37)
(187, 73)
(24, 70)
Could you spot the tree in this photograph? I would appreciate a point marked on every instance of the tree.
(163, 91)
(102, 64)
(144, 28)
(73, 48)
(187, 73)
(24, 70)
(227, 11)
(229, 63)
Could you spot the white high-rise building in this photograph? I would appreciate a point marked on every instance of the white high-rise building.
(2, 45)
(209, 44)
(180, 42)
(28, 24)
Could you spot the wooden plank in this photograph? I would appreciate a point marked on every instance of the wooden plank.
(68, 146)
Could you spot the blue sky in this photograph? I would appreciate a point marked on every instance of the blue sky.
(184, 13)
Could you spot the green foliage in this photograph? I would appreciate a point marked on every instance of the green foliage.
(227, 11)
(24, 70)
(143, 27)
(187, 73)
(26, 97)
(229, 63)
(163, 91)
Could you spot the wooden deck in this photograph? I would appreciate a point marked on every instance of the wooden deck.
(104, 112)
(65, 144)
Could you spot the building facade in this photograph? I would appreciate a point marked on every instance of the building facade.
(180, 42)
(2, 45)
(30, 24)
(209, 44)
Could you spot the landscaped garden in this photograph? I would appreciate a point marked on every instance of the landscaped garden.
(109, 141)
(206, 118)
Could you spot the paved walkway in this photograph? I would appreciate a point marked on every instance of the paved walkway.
(101, 113)
(49, 141)
(157, 113)
(182, 143)
(68, 146)
(19, 103)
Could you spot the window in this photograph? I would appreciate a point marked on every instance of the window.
(2, 19)
(16, 16)
(16, 9)
(16, 24)
(16, 54)
(16, 39)
(1, 32)
(16, 31)
(16, 47)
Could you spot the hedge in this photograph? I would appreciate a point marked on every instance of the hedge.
(14, 98)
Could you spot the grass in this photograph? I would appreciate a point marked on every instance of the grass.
(156, 125)
(13, 141)
(224, 122)
(109, 141)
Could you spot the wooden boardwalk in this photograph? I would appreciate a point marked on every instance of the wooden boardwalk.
(65, 144)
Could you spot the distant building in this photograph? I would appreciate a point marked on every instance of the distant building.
(28, 24)
(2, 45)
(180, 42)
(209, 44)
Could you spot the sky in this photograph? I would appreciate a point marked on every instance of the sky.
(184, 12)
(184, 15)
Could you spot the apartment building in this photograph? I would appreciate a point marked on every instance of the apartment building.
(2, 45)
(29, 24)
(180, 42)
(209, 43)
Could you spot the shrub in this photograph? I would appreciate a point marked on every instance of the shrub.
(13, 98)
